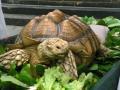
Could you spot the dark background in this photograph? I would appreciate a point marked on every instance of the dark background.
(19, 12)
(86, 3)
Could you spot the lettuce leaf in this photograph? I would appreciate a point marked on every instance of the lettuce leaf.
(55, 79)
(5, 78)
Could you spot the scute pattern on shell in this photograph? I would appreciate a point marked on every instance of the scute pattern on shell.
(54, 24)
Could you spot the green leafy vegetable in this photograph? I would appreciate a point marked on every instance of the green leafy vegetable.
(11, 79)
(2, 49)
(49, 78)
(89, 20)
(55, 79)
(112, 22)
(25, 75)
(113, 38)
(83, 83)
(94, 67)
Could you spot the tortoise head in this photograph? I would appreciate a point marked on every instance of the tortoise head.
(53, 48)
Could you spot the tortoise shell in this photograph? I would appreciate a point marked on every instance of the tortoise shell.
(54, 24)
(58, 24)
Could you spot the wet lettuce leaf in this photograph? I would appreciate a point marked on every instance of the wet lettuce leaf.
(89, 20)
(113, 38)
(111, 22)
(25, 75)
(6, 78)
(55, 79)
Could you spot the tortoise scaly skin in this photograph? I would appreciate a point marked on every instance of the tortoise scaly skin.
(17, 56)
(58, 28)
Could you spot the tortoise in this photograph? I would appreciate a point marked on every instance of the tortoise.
(55, 38)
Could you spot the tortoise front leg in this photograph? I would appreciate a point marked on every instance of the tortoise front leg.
(17, 56)
(69, 65)
(33, 62)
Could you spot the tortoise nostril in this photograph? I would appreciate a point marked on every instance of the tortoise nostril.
(58, 47)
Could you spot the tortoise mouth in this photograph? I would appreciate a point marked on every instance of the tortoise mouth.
(61, 55)
(56, 56)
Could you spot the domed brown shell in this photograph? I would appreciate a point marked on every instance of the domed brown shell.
(54, 24)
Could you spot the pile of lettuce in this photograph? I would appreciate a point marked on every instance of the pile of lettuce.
(54, 79)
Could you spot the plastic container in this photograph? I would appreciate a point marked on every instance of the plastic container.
(110, 80)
